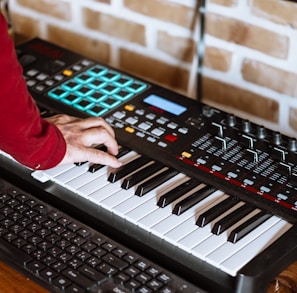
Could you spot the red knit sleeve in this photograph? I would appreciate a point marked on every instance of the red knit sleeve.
(23, 134)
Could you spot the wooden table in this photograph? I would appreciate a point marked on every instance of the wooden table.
(13, 282)
(286, 281)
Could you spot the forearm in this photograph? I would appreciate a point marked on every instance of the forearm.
(23, 134)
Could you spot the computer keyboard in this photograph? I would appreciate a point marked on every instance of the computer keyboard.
(70, 256)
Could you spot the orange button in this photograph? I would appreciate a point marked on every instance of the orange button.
(67, 72)
(129, 129)
(129, 107)
(186, 155)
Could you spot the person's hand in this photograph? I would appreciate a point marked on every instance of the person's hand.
(81, 135)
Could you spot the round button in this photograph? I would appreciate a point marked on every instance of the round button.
(277, 138)
(231, 120)
(261, 132)
(246, 126)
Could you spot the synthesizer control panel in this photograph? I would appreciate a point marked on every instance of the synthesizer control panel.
(203, 140)
(236, 155)
(83, 86)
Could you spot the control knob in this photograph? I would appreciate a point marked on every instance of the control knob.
(277, 138)
(261, 132)
(231, 120)
(292, 145)
(207, 111)
(246, 126)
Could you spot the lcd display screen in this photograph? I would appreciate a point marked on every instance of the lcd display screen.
(164, 104)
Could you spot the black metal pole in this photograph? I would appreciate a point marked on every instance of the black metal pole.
(200, 48)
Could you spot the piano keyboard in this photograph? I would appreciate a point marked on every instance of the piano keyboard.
(212, 193)
(203, 221)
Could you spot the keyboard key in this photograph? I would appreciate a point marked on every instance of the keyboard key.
(215, 211)
(141, 175)
(177, 192)
(153, 182)
(192, 199)
(248, 226)
(128, 169)
(231, 219)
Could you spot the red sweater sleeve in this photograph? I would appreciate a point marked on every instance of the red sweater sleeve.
(23, 134)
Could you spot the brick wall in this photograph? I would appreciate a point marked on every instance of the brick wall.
(250, 60)
(250, 47)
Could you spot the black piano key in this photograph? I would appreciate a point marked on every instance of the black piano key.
(192, 199)
(177, 192)
(155, 181)
(231, 219)
(95, 167)
(80, 163)
(215, 211)
(142, 174)
(128, 169)
(122, 151)
(245, 228)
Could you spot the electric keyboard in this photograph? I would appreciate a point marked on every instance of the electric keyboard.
(211, 194)
(66, 255)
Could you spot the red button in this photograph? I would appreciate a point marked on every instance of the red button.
(171, 137)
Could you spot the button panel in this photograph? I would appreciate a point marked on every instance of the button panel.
(144, 123)
(82, 84)
(94, 90)
(237, 153)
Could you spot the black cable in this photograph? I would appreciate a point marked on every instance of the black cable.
(200, 48)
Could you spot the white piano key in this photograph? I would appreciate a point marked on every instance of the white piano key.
(46, 175)
(214, 241)
(233, 264)
(161, 213)
(85, 179)
(70, 174)
(40, 176)
(88, 177)
(117, 198)
(128, 157)
(180, 231)
(187, 223)
(53, 172)
(133, 201)
(103, 191)
(112, 195)
(198, 235)
(174, 221)
(194, 238)
(143, 209)
(119, 194)
(155, 217)
(148, 203)
(228, 248)
(127, 205)
(98, 182)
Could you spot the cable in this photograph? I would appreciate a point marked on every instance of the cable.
(200, 48)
